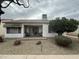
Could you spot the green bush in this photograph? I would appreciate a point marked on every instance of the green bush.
(1, 39)
(63, 41)
(17, 42)
(78, 35)
(61, 25)
(38, 43)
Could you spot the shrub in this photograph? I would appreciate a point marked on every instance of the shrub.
(17, 42)
(1, 39)
(38, 43)
(61, 25)
(78, 35)
(63, 41)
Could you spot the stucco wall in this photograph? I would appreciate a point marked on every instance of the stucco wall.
(45, 31)
(13, 36)
(19, 35)
(2, 30)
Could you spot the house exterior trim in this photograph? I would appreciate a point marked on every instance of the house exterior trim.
(21, 24)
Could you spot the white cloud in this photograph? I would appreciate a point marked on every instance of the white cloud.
(53, 8)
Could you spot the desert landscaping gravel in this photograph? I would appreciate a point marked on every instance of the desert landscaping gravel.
(29, 47)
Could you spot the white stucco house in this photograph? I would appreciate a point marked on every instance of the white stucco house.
(26, 28)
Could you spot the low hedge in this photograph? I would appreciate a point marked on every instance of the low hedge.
(1, 39)
(17, 42)
(63, 41)
(78, 35)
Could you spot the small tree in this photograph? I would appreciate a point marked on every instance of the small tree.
(61, 25)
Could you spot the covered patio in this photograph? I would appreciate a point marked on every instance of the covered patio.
(32, 30)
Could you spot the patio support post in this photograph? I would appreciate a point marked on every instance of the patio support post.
(45, 30)
(22, 30)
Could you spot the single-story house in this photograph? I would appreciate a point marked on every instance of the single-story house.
(22, 28)
(26, 28)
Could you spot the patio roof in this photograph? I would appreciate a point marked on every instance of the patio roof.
(25, 21)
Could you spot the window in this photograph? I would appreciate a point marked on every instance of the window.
(13, 30)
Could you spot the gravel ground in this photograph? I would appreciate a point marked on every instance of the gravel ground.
(29, 47)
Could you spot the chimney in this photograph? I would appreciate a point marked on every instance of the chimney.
(44, 16)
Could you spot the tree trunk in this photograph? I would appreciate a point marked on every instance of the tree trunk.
(59, 34)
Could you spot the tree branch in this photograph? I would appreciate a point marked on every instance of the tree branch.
(22, 4)
(7, 5)
(17, 2)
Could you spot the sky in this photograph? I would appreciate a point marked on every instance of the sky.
(53, 8)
